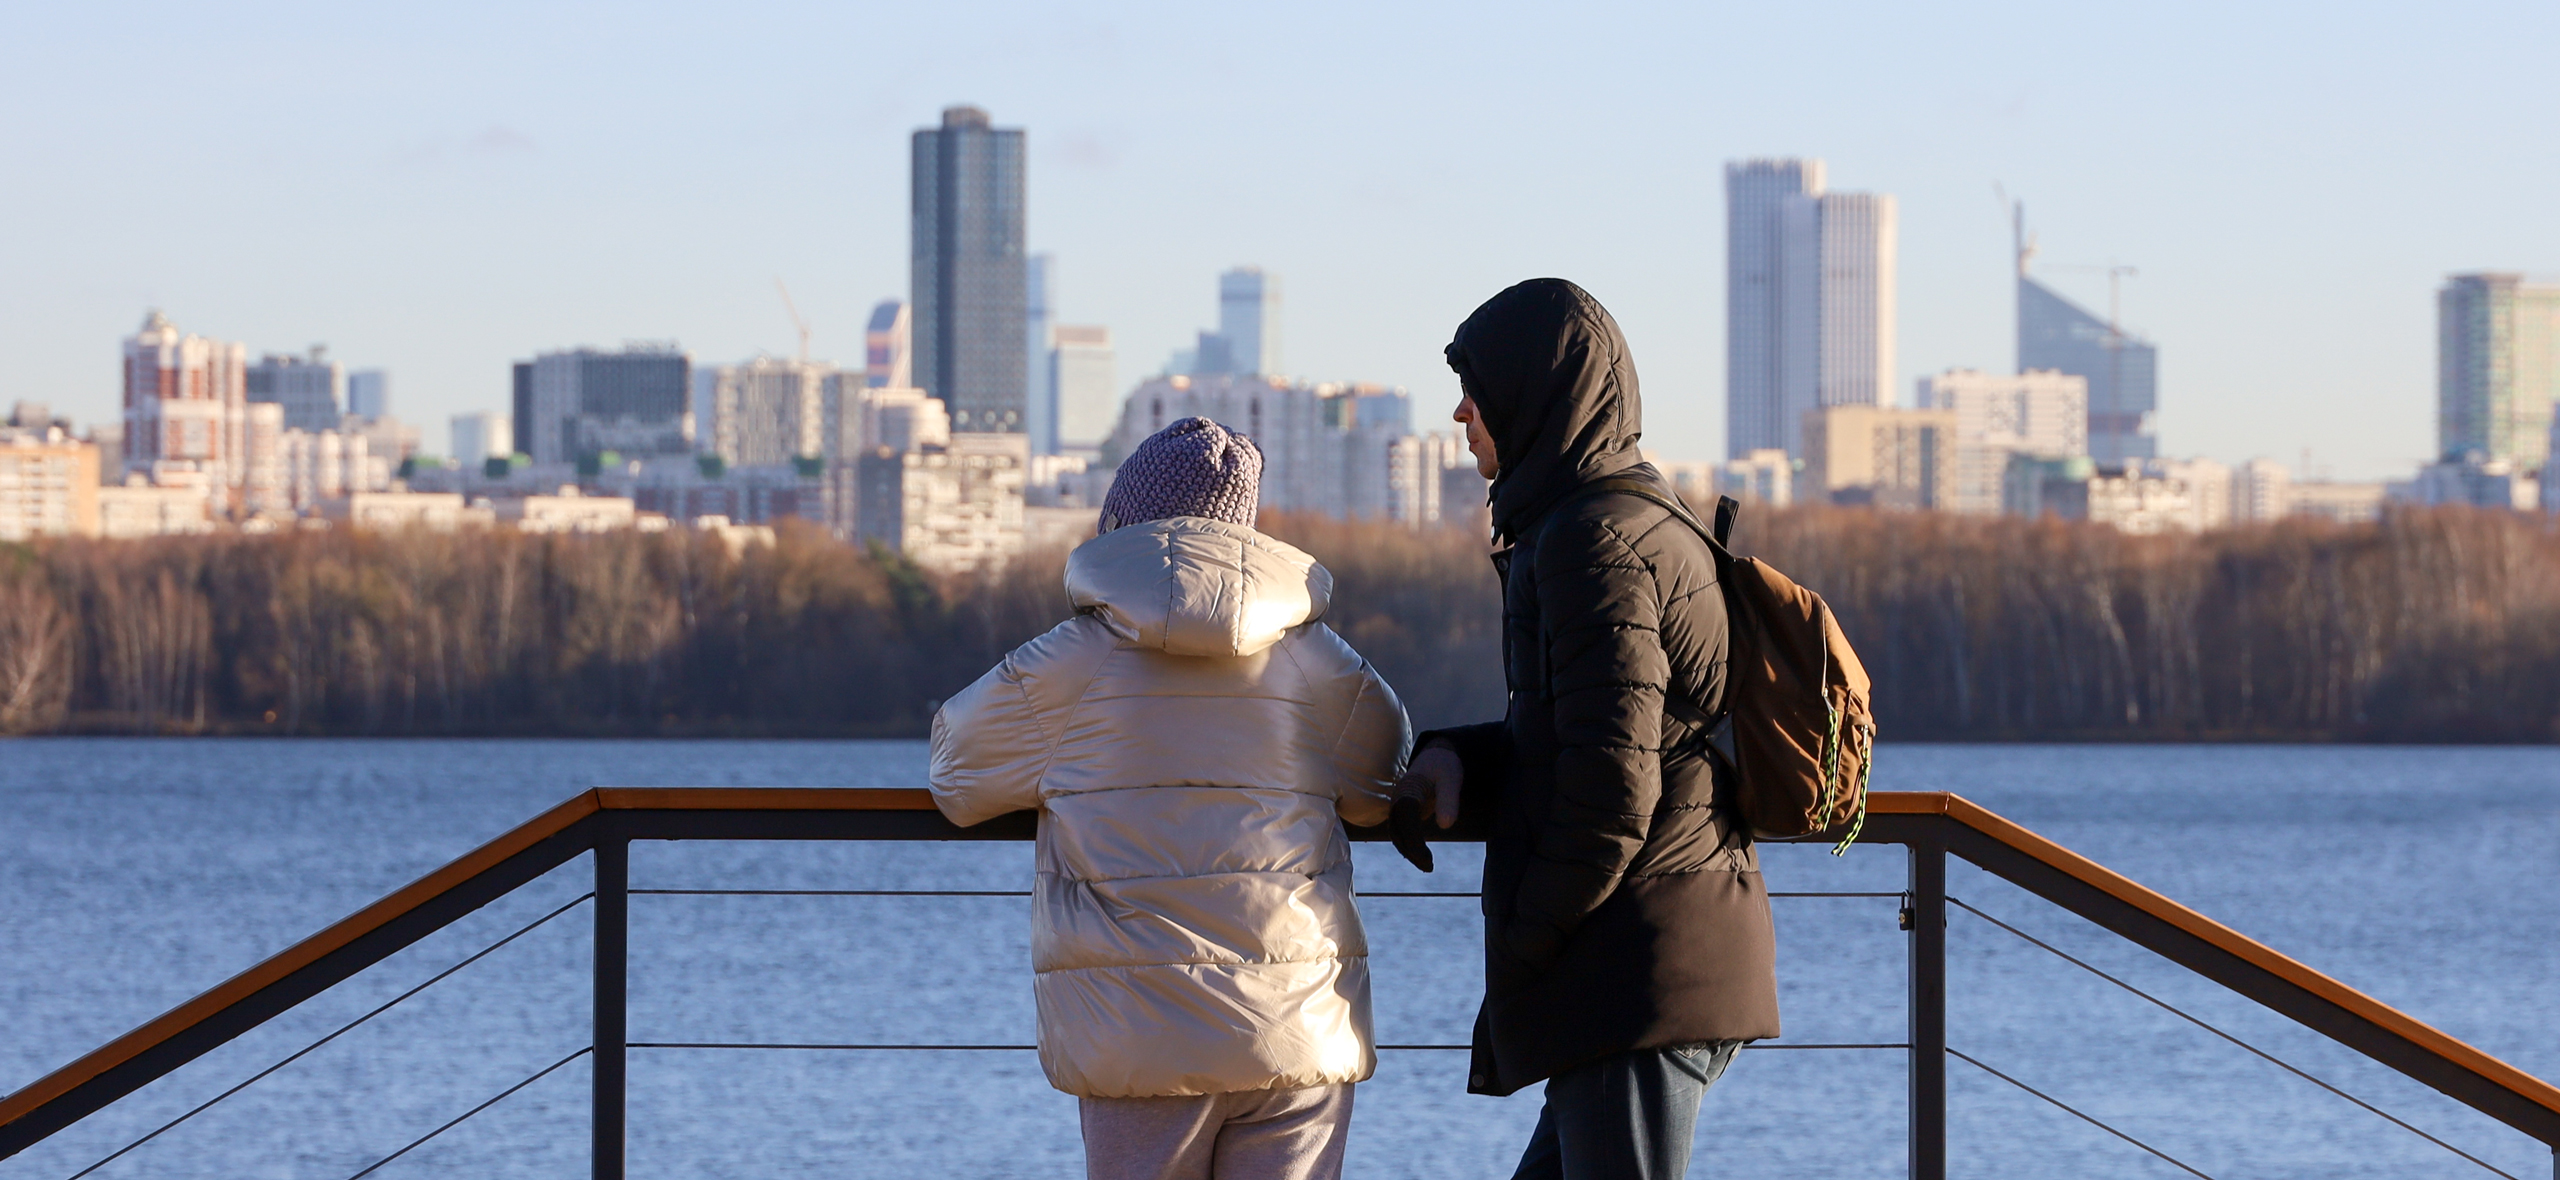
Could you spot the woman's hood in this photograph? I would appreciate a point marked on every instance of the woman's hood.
(1197, 587)
(1549, 371)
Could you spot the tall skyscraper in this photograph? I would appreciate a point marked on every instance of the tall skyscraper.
(1082, 370)
(583, 403)
(369, 394)
(1811, 313)
(1836, 289)
(1754, 191)
(888, 354)
(1041, 396)
(2121, 368)
(2497, 368)
(307, 388)
(968, 272)
(1249, 320)
(186, 402)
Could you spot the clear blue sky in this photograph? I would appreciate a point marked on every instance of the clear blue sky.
(440, 189)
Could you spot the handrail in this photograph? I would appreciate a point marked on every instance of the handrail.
(1946, 821)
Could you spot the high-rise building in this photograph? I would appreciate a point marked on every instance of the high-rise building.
(582, 403)
(887, 347)
(2043, 413)
(1836, 267)
(1249, 320)
(766, 412)
(1040, 398)
(1083, 371)
(185, 404)
(2497, 368)
(968, 272)
(1754, 192)
(2121, 368)
(369, 394)
(306, 386)
(1810, 312)
(522, 403)
(480, 437)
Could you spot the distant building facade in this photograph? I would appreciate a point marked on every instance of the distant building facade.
(48, 484)
(2497, 369)
(1248, 322)
(1836, 280)
(887, 347)
(369, 394)
(306, 386)
(1879, 455)
(2121, 369)
(582, 403)
(766, 412)
(185, 405)
(1040, 418)
(1755, 191)
(1325, 448)
(953, 506)
(1083, 373)
(968, 271)
(2041, 413)
(482, 436)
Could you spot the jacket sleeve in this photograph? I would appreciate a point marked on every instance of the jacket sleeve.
(990, 746)
(1369, 752)
(1484, 757)
(1600, 624)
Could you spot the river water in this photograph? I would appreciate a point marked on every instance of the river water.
(140, 872)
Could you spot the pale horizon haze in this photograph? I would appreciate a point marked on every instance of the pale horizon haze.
(441, 190)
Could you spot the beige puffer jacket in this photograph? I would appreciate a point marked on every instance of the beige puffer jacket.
(1193, 739)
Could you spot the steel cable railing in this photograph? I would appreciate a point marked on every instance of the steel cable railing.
(2075, 1112)
(342, 1030)
(2191, 1018)
(458, 1120)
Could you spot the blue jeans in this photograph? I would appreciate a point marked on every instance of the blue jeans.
(1625, 1117)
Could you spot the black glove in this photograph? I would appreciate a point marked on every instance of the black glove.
(1407, 821)
(1425, 797)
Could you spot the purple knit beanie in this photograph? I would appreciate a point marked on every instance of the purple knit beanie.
(1194, 467)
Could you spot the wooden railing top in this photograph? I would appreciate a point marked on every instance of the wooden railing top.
(611, 799)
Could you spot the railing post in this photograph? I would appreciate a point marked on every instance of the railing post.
(1924, 914)
(613, 960)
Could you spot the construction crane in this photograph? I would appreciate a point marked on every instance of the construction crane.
(796, 321)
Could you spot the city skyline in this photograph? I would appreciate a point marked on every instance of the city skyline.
(453, 209)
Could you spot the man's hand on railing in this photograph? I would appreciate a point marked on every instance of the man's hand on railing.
(1429, 789)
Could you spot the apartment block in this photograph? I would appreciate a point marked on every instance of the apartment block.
(2042, 413)
(48, 485)
(1880, 455)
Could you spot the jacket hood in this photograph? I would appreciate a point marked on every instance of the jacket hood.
(1192, 586)
(1549, 370)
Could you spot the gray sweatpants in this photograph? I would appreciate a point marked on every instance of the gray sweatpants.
(1255, 1135)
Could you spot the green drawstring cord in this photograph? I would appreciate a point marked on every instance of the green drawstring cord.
(1866, 772)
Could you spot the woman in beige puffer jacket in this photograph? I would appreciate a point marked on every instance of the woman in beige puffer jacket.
(1193, 740)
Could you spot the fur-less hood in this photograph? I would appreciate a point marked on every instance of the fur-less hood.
(1191, 586)
(1549, 370)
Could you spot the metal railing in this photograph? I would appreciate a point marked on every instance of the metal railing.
(604, 822)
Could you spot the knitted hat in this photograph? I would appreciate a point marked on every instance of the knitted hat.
(1194, 467)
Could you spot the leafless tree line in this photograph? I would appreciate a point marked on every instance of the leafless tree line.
(2435, 626)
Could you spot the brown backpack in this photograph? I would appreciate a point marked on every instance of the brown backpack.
(1796, 730)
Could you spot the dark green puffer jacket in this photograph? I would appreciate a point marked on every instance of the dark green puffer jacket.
(1622, 911)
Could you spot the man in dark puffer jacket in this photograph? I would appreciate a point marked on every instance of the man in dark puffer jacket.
(1628, 950)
